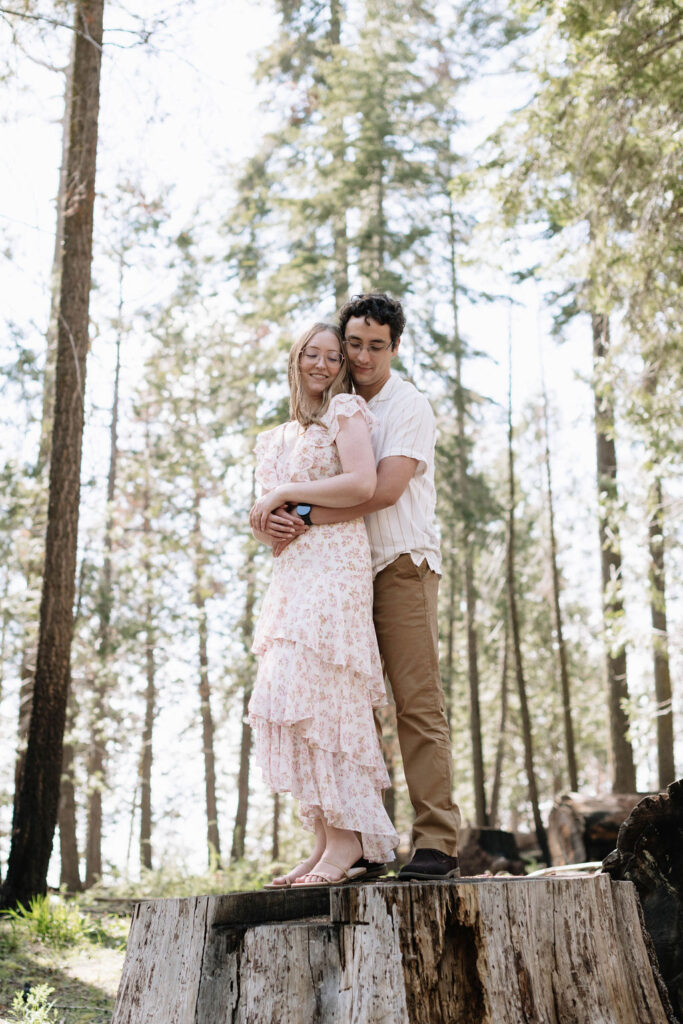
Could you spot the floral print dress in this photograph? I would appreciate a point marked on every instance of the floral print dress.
(319, 674)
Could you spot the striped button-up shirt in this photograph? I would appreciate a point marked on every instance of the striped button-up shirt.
(405, 426)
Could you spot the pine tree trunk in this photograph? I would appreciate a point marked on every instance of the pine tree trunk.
(449, 676)
(212, 834)
(240, 827)
(93, 840)
(6, 619)
(481, 814)
(516, 640)
(147, 732)
(387, 733)
(337, 146)
(97, 754)
(55, 286)
(26, 677)
(389, 794)
(69, 876)
(623, 769)
(570, 751)
(46, 420)
(502, 725)
(275, 832)
(37, 798)
(373, 235)
(146, 753)
(666, 768)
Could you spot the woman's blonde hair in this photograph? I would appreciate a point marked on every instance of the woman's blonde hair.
(298, 405)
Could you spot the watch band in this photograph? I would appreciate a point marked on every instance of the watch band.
(304, 511)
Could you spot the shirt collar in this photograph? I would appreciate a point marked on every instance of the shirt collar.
(387, 390)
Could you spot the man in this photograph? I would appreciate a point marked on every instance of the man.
(406, 562)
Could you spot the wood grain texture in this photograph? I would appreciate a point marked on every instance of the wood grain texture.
(485, 951)
(649, 853)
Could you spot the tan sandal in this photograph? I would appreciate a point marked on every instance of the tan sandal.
(348, 875)
(286, 882)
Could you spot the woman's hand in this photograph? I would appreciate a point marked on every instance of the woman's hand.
(261, 509)
(280, 545)
(284, 525)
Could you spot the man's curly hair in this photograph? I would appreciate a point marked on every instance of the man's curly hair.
(374, 306)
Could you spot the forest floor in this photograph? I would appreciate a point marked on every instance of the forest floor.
(67, 976)
(75, 946)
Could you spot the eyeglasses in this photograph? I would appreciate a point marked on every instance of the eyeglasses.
(312, 356)
(374, 348)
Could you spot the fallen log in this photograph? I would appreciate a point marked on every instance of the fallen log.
(490, 850)
(649, 853)
(469, 951)
(583, 828)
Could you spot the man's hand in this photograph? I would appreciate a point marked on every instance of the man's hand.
(283, 525)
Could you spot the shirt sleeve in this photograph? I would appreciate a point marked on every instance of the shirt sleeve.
(410, 431)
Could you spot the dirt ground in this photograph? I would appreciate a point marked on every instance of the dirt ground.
(85, 977)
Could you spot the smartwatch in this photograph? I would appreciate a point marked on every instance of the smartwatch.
(304, 511)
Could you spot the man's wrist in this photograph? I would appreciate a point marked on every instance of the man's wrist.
(297, 508)
(303, 510)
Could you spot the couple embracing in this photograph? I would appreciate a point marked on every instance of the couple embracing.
(348, 507)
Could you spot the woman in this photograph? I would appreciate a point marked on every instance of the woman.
(319, 673)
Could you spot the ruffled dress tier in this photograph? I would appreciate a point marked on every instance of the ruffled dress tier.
(319, 674)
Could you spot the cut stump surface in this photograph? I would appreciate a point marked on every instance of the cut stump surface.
(469, 951)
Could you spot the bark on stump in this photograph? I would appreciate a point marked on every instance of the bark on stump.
(493, 951)
(649, 853)
(584, 828)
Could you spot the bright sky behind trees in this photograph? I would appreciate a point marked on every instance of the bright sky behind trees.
(176, 116)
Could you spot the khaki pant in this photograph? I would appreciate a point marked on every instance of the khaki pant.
(405, 614)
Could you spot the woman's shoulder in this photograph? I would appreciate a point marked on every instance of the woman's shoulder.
(270, 444)
(269, 437)
(342, 407)
(346, 405)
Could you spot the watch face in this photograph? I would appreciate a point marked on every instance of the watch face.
(305, 512)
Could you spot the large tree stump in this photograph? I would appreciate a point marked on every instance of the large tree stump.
(649, 853)
(584, 828)
(471, 951)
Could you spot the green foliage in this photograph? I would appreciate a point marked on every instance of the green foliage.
(9, 940)
(82, 976)
(52, 920)
(597, 154)
(173, 880)
(34, 1007)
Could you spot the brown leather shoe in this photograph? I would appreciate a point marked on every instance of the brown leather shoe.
(430, 865)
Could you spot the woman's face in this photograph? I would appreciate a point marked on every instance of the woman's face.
(320, 362)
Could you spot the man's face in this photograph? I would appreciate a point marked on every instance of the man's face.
(369, 351)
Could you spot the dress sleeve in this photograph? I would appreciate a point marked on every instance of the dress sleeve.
(267, 449)
(343, 407)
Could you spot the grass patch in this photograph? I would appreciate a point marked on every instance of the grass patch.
(59, 963)
(61, 957)
(173, 881)
(51, 919)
